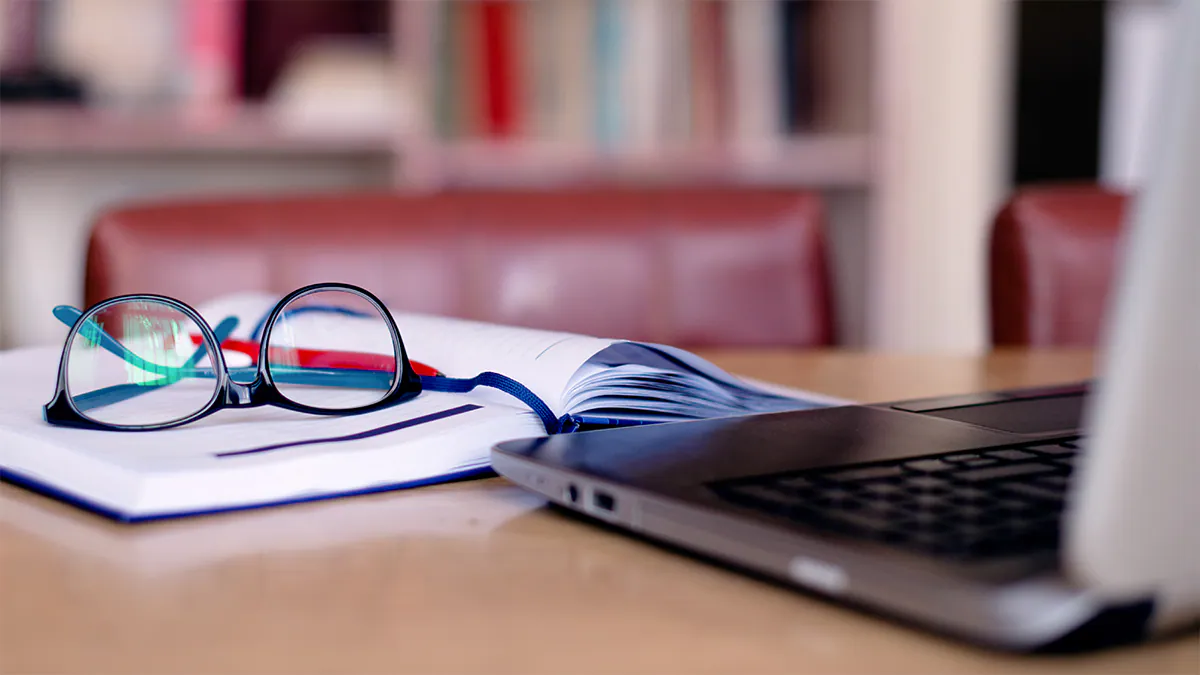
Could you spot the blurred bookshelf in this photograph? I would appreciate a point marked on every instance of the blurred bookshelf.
(135, 99)
(771, 91)
(479, 91)
(816, 160)
(819, 161)
(146, 99)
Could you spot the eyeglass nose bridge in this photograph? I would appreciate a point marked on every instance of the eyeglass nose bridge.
(238, 395)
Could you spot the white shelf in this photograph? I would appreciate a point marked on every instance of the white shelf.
(74, 130)
(815, 160)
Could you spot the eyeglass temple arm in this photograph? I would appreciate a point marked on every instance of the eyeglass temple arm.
(96, 333)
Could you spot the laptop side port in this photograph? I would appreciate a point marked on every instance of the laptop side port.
(604, 501)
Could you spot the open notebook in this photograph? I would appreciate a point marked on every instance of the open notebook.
(262, 456)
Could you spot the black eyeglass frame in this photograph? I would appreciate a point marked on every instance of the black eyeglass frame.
(229, 393)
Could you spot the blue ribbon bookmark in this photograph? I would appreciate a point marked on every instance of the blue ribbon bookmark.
(505, 384)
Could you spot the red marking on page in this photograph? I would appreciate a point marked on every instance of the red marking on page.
(321, 358)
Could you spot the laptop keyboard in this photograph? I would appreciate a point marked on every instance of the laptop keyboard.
(990, 503)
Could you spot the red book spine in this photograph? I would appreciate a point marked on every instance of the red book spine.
(499, 68)
(213, 44)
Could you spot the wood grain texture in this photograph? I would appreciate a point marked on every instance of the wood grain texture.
(472, 577)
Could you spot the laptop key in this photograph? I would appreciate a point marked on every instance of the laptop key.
(1055, 481)
(798, 483)
(1054, 450)
(832, 495)
(925, 483)
(931, 503)
(979, 461)
(971, 494)
(1003, 471)
(866, 473)
(969, 512)
(1015, 455)
(861, 519)
(1010, 505)
(928, 466)
(1035, 491)
(882, 489)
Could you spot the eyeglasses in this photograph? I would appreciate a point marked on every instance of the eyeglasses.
(148, 362)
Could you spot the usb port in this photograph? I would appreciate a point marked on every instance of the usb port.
(604, 501)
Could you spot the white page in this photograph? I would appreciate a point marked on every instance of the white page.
(571, 373)
(543, 361)
(561, 368)
(205, 464)
(634, 376)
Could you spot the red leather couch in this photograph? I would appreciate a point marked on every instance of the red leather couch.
(1053, 256)
(727, 266)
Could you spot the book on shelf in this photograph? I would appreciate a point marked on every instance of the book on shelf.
(250, 457)
(625, 75)
(708, 96)
(211, 54)
(341, 85)
(501, 76)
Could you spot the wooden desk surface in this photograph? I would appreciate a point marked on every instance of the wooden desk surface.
(475, 576)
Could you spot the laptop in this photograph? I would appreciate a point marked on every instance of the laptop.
(1043, 519)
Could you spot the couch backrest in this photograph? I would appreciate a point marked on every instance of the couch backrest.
(1053, 258)
(728, 266)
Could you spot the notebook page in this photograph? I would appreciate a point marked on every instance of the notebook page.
(243, 456)
(544, 361)
(630, 378)
(571, 373)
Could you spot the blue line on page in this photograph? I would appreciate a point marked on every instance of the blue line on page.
(378, 431)
(552, 346)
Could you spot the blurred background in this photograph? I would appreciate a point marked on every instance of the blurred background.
(913, 119)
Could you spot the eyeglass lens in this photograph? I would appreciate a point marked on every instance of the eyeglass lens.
(332, 349)
(139, 363)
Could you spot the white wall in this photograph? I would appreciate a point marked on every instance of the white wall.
(47, 204)
(942, 120)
